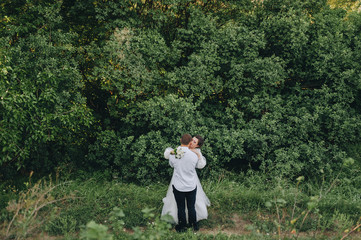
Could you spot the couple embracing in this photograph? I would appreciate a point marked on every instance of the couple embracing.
(185, 196)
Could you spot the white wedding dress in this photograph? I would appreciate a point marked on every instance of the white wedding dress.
(202, 201)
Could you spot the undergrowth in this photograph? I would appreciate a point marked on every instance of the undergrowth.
(271, 207)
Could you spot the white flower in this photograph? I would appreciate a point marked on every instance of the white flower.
(179, 153)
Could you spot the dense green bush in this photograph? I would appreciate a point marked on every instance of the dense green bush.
(273, 85)
(43, 115)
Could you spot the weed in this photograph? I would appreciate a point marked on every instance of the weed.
(94, 231)
(271, 207)
(31, 210)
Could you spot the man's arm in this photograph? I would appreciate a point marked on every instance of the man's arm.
(167, 152)
(171, 160)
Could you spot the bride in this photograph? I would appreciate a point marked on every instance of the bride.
(202, 201)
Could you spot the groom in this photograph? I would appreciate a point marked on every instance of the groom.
(184, 185)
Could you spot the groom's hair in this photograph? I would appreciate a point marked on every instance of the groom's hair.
(186, 139)
(200, 140)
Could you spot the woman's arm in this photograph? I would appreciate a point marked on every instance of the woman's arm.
(201, 159)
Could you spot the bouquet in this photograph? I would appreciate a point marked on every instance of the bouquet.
(179, 153)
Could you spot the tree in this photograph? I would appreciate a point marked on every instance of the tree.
(43, 116)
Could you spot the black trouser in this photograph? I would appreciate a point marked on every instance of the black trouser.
(181, 198)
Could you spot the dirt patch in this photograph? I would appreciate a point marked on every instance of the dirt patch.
(240, 226)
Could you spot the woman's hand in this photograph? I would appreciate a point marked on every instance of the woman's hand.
(196, 152)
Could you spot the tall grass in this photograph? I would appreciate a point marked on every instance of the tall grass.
(270, 208)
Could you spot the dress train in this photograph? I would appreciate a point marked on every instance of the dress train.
(170, 205)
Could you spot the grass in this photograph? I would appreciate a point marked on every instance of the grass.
(249, 207)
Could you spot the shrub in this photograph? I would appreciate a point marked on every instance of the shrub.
(31, 210)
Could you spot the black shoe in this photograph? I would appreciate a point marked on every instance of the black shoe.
(180, 229)
(195, 227)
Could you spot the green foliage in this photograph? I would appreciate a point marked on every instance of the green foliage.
(106, 201)
(66, 209)
(62, 225)
(42, 112)
(273, 85)
(116, 219)
(157, 228)
(131, 160)
(95, 231)
(32, 207)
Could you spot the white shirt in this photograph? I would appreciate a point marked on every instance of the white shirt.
(185, 175)
(202, 162)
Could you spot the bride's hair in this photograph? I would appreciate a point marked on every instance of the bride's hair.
(200, 140)
(186, 139)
